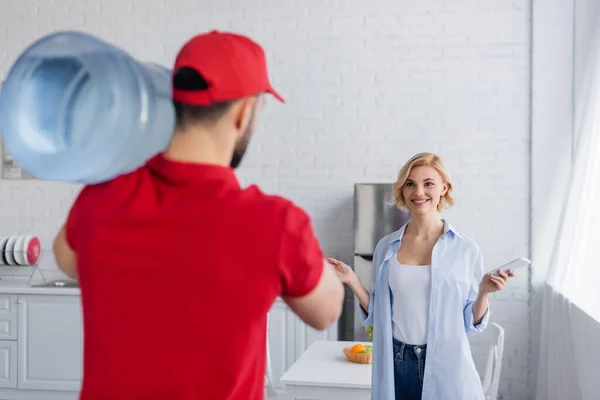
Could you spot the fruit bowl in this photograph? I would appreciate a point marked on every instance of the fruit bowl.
(360, 354)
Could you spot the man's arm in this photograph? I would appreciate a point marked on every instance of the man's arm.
(66, 259)
(321, 307)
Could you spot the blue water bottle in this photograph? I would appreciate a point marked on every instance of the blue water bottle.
(75, 108)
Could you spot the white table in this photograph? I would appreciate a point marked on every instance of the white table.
(324, 373)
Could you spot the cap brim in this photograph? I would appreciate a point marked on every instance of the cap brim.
(274, 93)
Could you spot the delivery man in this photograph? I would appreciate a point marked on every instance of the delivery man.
(178, 265)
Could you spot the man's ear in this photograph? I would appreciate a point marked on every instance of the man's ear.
(244, 113)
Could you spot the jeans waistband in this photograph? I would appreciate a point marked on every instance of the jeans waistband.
(401, 345)
(410, 350)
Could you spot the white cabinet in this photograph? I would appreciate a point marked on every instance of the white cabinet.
(289, 337)
(8, 364)
(8, 317)
(50, 343)
(8, 343)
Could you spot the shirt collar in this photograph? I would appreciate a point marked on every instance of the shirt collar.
(397, 236)
(180, 172)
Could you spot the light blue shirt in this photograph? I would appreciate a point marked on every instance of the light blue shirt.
(456, 271)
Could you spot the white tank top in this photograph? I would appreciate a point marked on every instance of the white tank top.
(411, 289)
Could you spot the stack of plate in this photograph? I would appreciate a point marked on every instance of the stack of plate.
(19, 250)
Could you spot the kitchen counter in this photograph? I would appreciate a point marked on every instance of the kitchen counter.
(19, 285)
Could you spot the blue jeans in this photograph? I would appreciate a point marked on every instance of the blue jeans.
(409, 365)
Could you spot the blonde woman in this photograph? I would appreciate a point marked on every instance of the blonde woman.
(429, 292)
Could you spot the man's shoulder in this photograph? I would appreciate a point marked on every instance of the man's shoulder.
(268, 203)
(120, 182)
(103, 194)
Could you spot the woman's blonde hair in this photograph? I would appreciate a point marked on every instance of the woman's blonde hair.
(418, 160)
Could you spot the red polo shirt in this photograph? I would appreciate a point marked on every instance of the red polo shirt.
(178, 267)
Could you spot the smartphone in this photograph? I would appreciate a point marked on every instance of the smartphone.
(517, 263)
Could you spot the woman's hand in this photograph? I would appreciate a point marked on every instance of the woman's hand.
(344, 272)
(494, 283)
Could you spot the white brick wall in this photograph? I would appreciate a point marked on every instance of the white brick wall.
(368, 85)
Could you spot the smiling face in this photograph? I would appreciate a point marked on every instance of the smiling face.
(423, 190)
(423, 185)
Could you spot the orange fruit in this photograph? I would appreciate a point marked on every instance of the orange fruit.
(357, 348)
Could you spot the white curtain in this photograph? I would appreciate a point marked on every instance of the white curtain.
(569, 363)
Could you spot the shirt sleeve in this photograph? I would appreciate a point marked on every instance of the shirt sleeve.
(300, 255)
(470, 326)
(366, 318)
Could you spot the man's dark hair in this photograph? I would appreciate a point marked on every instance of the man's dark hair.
(189, 79)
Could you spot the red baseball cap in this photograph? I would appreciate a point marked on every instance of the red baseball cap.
(234, 66)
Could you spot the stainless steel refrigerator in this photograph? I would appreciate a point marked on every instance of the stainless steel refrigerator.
(374, 217)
